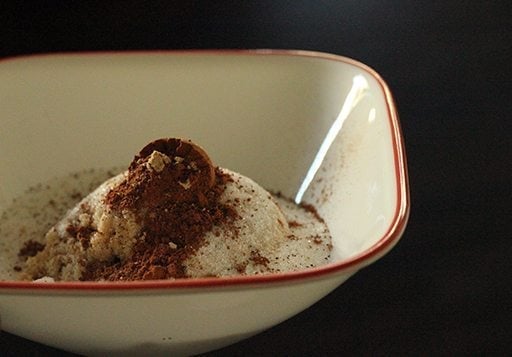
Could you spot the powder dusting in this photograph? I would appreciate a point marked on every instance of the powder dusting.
(171, 215)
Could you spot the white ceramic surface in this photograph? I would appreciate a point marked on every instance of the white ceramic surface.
(318, 127)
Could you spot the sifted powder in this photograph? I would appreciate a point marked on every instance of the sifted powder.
(171, 215)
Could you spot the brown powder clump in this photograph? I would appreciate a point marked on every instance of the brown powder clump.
(30, 248)
(174, 190)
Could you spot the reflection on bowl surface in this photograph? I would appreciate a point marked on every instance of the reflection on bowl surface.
(319, 128)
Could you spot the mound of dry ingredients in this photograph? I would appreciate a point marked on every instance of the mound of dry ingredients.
(173, 214)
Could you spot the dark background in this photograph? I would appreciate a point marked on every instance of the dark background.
(445, 289)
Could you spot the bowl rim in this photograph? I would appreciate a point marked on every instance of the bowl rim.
(350, 265)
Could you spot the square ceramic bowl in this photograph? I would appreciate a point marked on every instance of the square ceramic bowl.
(320, 128)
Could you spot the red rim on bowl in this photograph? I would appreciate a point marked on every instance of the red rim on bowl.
(381, 247)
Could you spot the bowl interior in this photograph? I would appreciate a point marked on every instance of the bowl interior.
(314, 128)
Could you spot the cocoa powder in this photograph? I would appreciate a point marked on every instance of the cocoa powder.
(174, 190)
(30, 248)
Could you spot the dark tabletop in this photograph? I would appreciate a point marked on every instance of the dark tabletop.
(445, 289)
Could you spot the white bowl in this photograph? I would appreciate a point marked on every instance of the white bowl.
(315, 126)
